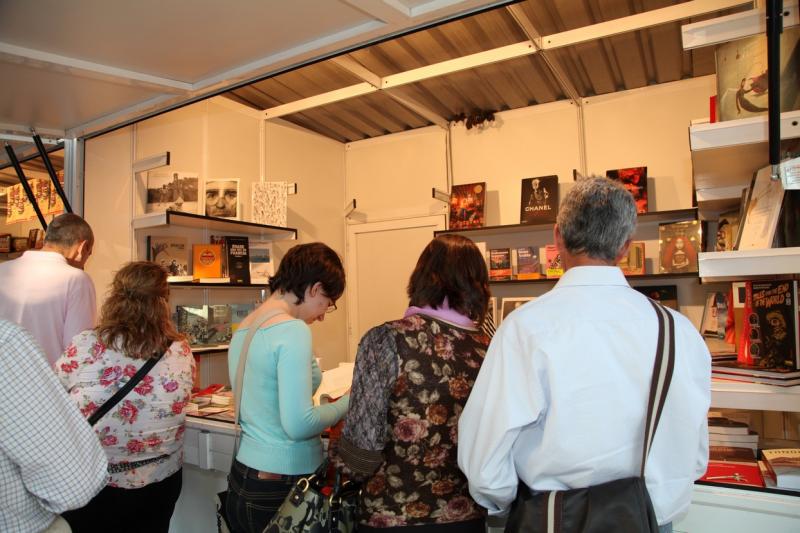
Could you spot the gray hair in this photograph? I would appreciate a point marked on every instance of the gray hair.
(596, 218)
(67, 230)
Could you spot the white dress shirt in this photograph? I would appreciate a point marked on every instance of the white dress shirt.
(50, 458)
(51, 299)
(561, 398)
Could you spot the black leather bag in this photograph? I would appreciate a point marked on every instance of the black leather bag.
(622, 505)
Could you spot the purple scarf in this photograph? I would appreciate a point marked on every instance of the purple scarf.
(443, 313)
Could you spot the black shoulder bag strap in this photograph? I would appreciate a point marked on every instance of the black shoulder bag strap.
(662, 376)
(121, 393)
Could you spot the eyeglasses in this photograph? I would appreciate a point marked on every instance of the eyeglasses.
(331, 308)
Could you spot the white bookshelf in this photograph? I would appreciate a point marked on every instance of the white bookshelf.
(212, 224)
(731, 27)
(740, 264)
(754, 396)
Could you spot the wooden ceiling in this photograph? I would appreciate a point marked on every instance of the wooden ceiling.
(620, 62)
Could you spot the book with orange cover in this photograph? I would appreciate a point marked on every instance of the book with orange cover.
(206, 261)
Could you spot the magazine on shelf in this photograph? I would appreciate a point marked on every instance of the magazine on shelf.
(539, 200)
(467, 205)
(634, 179)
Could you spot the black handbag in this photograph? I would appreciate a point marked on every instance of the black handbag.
(614, 506)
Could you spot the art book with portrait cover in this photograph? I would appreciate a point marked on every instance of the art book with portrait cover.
(467, 205)
(539, 200)
(172, 254)
(679, 243)
(635, 180)
(770, 337)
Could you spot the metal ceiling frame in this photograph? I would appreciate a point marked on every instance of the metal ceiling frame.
(536, 44)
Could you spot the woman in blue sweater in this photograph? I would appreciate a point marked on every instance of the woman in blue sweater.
(280, 426)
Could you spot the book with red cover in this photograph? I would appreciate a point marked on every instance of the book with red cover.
(467, 203)
(744, 473)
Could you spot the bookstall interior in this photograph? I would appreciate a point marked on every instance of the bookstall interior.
(377, 197)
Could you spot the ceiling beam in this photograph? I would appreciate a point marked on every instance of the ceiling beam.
(638, 21)
(58, 63)
(505, 53)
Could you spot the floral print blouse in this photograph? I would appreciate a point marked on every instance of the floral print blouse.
(412, 378)
(148, 422)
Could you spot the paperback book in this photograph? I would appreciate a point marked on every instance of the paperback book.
(635, 180)
(770, 337)
(238, 259)
(499, 264)
(467, 204)
(528, 266)
(207, 261)
(539, 200)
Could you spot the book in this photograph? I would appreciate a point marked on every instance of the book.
(784, 464)
(262, 266)
(741, 66)
(220, 239)
(679, 244)
(238, 313)
(192, 321)
(539, 200)
(508, 305)
(172, 254)
(467, 204)
(528, 266)
(735, 368)
(666, 295)
(770, 337)
(219, 324)
(734, 454)
(763, 209)
(553, 266)
(634, 179)
(718, 424)
(207, 261)
(734, 472)
(238, 259)
(726, 439)
(727, 231)
(714, 323)
(269, 203)
(499, 264)
(633, 262)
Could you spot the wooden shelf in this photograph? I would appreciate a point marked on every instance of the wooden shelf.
(755, 396)
(642, 277)
(215, 224)
(740, 264)
(646, 218)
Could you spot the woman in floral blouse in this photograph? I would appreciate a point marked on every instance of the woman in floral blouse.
(143, 434)
(412, 378)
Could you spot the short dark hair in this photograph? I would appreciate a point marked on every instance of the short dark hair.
(68, 229)
(304, 265)
(451, 267)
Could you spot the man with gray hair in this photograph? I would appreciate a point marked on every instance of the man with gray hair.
(46, 291)
(561, 398)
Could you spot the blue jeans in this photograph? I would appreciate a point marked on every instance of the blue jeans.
(252, 502)
(666, 528)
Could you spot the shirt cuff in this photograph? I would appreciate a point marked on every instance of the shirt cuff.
(364, 462)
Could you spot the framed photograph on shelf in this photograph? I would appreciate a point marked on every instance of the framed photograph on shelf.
(172, 191)
(508, 305)
(222, 198)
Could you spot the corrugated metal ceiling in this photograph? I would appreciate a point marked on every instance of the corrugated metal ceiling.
(621, 62)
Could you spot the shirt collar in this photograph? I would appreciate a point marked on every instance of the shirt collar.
(46, 255)
(592, 275)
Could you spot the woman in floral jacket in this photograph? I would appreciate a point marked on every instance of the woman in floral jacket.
(143, 434)
(412, 378)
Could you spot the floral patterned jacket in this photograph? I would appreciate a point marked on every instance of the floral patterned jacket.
(148, 422)
(412, 378)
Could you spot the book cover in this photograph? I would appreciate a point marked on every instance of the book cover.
(734, 473)
(171, 253)
(192, 321)
(238, 259)
(727, 230)
(726, 439)
(785, 464)
(666, 295)
(635, 180)
(762, 212)
(219, 324)
(633, 262)
(539, 200)
(176, 191)
(467, 204)
(679, 244)
(499, 264)
(720, 424)
(270, 203)
(222, 198)
(528, 266)
(742, 89)
(770, 336)
(553, 266)
(262, 265)
(207, 261)
(238, 313)
(715, 315)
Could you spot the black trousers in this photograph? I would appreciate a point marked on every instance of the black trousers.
(252, 502)
(471, 526)
(129, 510)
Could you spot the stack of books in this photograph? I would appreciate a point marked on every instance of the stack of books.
(725, 432)
(735, 371)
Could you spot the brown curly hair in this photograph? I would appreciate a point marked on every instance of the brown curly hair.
(135, 318)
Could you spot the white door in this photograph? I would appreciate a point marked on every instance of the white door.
(380, 257)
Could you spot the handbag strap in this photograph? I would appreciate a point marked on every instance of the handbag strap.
(662, 376)
(237, 390)
(124, 390)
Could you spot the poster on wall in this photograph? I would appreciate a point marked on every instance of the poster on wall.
(171, 191)
(269, 201)
(21, 210)
(742, 75)
(222, 198)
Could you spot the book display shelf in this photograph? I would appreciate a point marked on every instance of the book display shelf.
(724, 157)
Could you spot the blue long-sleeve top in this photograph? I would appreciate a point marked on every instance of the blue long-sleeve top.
(280, 425)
